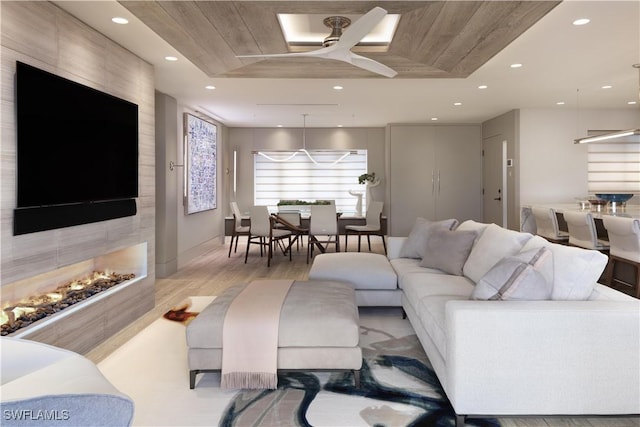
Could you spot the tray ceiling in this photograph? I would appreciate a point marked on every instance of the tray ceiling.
(434, 39)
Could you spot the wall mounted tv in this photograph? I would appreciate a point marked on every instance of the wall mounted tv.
(77, 153)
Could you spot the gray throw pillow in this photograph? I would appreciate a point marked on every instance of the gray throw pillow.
(448, 250)
(413, 247)
(527, 276)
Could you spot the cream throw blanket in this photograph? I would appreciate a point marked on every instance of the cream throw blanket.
(250, 336)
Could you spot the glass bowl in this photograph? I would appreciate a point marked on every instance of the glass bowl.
(614, 198)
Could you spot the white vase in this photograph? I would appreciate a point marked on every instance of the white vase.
(357, 194)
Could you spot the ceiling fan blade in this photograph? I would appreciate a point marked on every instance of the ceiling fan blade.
(371, 65)
(359, 29)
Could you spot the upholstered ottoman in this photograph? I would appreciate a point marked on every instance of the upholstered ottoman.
(319, 330)
(370, 275)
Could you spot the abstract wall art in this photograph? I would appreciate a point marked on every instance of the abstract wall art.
(201, 164)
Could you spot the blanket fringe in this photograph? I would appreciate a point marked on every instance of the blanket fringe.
(249, 380)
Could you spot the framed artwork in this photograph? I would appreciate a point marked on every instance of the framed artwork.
(201, 164)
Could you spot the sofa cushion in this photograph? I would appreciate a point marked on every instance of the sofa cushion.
(494, 244)
(421, 285)
(448, 250)
(360, 269)
(575, 270)
(405, 266)
(525, 276)
(413, 247)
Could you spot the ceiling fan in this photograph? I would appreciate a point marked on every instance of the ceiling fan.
(341, 50)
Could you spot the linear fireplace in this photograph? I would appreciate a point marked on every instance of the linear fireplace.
(89, 316)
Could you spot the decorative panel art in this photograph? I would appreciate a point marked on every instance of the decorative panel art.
(201, 163)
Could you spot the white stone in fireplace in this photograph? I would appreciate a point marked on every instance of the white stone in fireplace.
(130, 260)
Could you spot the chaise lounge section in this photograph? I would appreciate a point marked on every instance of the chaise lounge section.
(552, 342)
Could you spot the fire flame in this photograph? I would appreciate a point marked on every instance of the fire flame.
(14, 311)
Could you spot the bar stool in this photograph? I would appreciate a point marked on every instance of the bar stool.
(582, 231)
(547, 225)
(624, 237)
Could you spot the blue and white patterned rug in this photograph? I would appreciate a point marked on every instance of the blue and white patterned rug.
(398, 386)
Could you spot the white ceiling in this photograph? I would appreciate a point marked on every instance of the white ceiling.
(561, 62)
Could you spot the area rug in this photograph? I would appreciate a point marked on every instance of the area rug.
(398, 386)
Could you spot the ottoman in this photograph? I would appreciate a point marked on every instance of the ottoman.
(371, 276)
(319, 330)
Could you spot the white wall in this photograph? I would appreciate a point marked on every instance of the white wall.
(552, 168)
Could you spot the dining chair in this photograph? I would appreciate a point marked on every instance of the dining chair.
(292, 221)
(323, 229)
(624, 238)
(582, 231)
(372, 226)
(546, 221)
(264, 234)
(238, 228)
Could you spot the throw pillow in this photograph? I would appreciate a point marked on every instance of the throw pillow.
(448, 250)
(526, 276)
(413, 247)
(575, 270)
(494, 244)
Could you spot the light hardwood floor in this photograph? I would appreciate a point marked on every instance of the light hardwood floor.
(212, 272)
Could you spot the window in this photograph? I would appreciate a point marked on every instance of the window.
(614, 168)
(299, 178)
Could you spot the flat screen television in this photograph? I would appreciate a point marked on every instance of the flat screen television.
(75, 144)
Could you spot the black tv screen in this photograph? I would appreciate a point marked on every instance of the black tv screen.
(75, 144)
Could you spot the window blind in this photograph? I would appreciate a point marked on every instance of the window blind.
(614, 168)
(301, 179)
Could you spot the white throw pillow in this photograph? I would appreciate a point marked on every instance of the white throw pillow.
(575, 270)
(413, 247)
(526, 276)
(494, 244)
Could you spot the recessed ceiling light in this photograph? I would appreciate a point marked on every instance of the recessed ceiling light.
(632, 102)
(210, 87)
(338, 87)
(581, 21)
(279, 126)
(560, 103)
(434, 119)
(483, 87)
(516, 65)
(171, 58)
(339, 126)
(457, 103)
(607, 87)
(120, 20)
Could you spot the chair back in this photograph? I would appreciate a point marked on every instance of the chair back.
(260, 223)
(324, 220)
(546, 223)
(290, 217)
(237, 216)
(373, 214)
(624, 236)
(582, 230)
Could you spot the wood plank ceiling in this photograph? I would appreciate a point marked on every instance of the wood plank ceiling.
(434, 39)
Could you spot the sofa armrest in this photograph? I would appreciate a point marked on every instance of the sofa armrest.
(543, 357)
(394, 245)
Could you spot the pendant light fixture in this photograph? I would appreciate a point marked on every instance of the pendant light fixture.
(343, 154)
(619, 136)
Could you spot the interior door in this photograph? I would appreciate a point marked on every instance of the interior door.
(412, 180)
(494, 162)
(458, 172)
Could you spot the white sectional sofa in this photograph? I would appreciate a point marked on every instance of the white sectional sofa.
(574, 350)
(44, 385)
